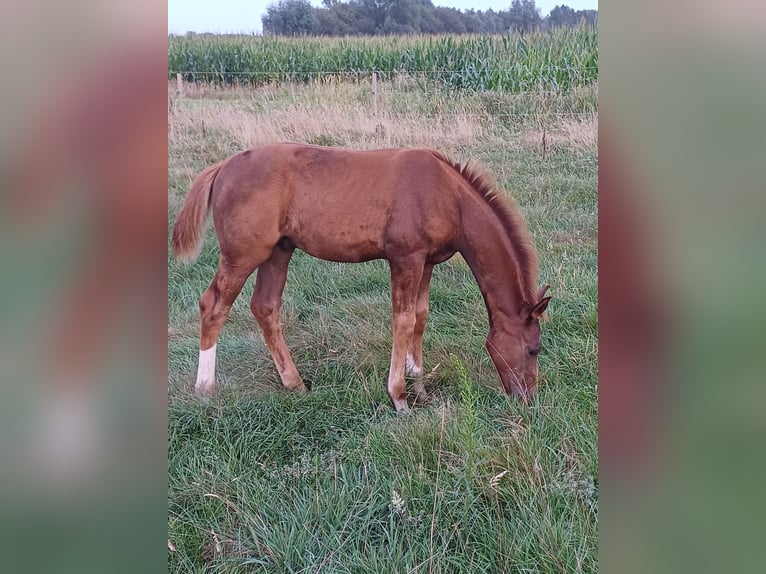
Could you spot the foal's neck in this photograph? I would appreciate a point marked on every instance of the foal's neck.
(486, 247)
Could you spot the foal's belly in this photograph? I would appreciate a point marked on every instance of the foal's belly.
(356, 251)
(361, 232)
(350, 236)
(342, 251)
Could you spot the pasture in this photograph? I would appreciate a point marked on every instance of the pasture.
(261, 480)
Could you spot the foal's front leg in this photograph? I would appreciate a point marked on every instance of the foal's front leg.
(415, 354)
(405, 279)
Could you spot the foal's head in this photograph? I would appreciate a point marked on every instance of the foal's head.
(514, 346)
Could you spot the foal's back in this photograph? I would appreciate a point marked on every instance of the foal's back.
(337, 204)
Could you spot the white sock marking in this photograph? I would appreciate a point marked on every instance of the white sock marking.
(206, 371)
(411, 367)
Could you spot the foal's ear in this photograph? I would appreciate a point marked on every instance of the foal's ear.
(541, 292)
(538, 311)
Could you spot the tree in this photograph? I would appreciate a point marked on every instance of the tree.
(330, 24)
(589, 16)
(452, 20)
(372, 17)
(562, 16)
(403, 17)
(290, 18)
(472, 21)
(376, 10)
(524, 16)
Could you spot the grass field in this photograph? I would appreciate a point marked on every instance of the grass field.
(260, 480)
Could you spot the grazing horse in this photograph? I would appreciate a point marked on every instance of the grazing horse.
(413, 207)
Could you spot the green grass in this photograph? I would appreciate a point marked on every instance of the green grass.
(557, 60)
(261, 480)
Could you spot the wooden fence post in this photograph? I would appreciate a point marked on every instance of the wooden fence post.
(180, 85)
(374, 94)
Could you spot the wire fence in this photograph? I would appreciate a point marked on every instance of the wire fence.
(511, 79)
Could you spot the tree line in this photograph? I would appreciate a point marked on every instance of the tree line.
(380, 17)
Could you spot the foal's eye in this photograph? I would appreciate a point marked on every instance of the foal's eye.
(533, 352)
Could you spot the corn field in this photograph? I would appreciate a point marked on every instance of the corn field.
(555, 61)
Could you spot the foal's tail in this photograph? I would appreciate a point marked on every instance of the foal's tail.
(188, 232)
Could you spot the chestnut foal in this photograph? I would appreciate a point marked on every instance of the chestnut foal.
(413, 207)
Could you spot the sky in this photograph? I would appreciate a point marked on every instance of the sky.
(224, 16)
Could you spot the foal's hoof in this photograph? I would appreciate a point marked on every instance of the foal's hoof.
(401, 406)
(420, 399)
(421, 396)
(207, 390)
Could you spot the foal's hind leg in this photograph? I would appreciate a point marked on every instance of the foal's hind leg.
(405, 279)
(214, 306)
(414, 366)
(265, 305)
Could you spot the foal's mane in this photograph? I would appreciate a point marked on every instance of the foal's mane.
(507, 212)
